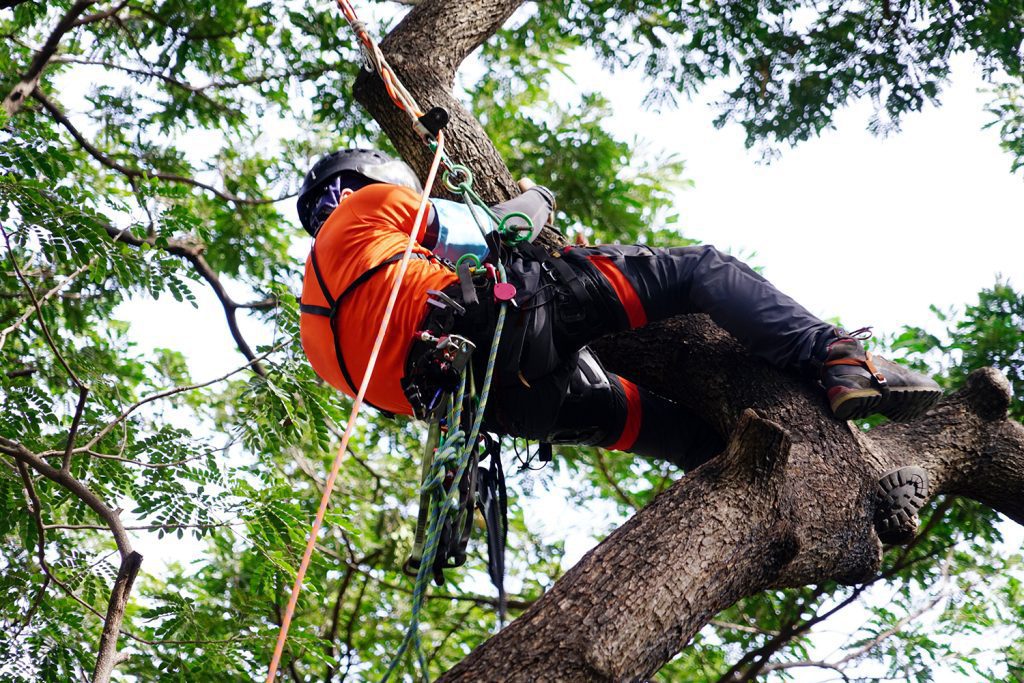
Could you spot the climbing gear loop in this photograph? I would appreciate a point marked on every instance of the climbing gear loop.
(457, 179)
(514, 235)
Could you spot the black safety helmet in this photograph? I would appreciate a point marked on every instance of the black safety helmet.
(355, 168)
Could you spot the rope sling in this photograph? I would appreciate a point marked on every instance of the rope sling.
(455, 446)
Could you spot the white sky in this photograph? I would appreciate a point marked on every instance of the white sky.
(873, 230)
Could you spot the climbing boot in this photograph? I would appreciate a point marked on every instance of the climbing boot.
(902, 493)
(859, 384)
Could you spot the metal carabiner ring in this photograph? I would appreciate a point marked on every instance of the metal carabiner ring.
(452, 174)
(516, 234)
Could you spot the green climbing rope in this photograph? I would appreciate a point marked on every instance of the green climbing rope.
(453, 455)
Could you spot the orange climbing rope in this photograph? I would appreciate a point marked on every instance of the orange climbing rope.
(405, 101)
(343, 448)
(399, 95)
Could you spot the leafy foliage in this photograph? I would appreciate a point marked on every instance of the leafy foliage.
(153, 165)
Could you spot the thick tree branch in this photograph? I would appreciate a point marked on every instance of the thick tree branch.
(108, 657)
(748, 520)
(16, 98)
(428, 73)
(967, 444)
(744, 546)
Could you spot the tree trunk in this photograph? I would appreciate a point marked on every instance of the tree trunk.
(781, 507)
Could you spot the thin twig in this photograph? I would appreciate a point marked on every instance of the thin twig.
(83, 390)
(155, 466)
(198, 89)
(130, 172)
(146, 527)
(28, 313)
(166, 393)
(602, 466)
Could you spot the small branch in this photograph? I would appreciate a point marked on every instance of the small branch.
(83, 390)
(16, 98)
(76, 422)
(193, 254)
(36, 510)
(230, 308)
(26, 371)
(28, 313)
(130, 172)
(65, 479)
(161, 395)
(332, 631)
(872, 643)
(99, 16)
(756, 660)
(267, 304)
(742, 627)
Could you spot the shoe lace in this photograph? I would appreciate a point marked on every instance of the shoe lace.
(861, 334)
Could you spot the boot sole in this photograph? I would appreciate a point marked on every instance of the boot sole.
(903, 493)
(905, 404)
(856, 404)
(899, 405)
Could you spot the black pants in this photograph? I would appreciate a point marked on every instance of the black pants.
(550, 388)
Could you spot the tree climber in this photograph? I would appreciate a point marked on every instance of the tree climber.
(360, 205)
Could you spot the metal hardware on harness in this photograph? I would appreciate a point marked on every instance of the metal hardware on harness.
(439, 299)
(436, 371)
(454, 351)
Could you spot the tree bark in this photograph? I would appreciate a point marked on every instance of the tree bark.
(16, 98)
(108, 656)
(781, 507)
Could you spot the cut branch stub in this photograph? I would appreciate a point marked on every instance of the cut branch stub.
(988, 394)
(758, 449)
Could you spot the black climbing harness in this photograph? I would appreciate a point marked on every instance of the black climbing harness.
(334, 306)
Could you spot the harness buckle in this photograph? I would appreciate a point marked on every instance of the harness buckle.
(455, 350)
(441, 300)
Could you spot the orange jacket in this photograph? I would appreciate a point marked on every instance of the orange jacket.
(369, 226)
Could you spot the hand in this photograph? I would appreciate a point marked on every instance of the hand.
(525, 184)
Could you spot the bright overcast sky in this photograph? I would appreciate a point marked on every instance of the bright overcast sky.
(873, 230)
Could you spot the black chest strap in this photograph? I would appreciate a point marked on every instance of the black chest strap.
(334, 306)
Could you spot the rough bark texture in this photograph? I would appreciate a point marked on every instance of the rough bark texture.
(781, 507)
(427, 67)
(108, 656)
